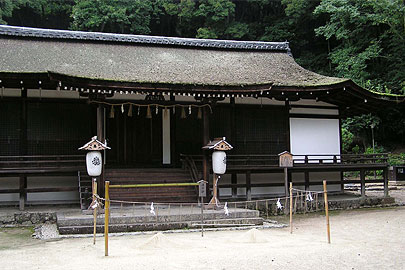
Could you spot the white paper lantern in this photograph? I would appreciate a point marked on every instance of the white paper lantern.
(219, 162)
(94, 163)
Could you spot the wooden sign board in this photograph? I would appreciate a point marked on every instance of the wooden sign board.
(202, 188)
(286, 160)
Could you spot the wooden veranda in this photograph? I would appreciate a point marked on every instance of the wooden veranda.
(48, 165)
(265, 164)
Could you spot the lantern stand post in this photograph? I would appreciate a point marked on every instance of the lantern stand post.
(214, 201)
(219, 145)
(95, 210)
(94, 164)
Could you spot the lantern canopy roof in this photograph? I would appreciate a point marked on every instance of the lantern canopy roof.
(218, 144)
(94, 145)
(285, 153)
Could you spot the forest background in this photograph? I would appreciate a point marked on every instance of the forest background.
(363, 40)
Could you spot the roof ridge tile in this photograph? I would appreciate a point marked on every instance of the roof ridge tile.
(142, 39)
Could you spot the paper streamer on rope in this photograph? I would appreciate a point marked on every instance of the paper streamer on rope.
(152, 209)
(122, 108)
(95, 203)
(226, 210)
(279, 205)
(309, 197)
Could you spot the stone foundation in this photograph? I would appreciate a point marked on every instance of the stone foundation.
(27, 218)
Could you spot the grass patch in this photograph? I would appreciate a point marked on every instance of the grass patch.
(11, 238)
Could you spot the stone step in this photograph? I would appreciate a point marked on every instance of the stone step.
(153, 226)
(161, 217)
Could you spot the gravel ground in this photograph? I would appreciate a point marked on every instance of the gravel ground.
(361, 239)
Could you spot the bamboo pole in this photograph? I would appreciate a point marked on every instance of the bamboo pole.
(94, 211)
(106, 215)
(291, 206)
(326, 209)
(154, 185)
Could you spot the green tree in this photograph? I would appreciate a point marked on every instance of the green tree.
(36, 13)
(360, 127)
(6, 9)
(124, 16)
(216, 16)
(368, 36)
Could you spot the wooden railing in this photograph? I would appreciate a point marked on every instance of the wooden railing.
(341, 159)
(244, 161)
(24, 166)
(189, 164)
(249, 164)
(40, 163)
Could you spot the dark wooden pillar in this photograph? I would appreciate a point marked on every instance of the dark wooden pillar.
(363, 183)
(385, 175)
(342, 183)
(234, 181)
(206, 138)
(23, 145)
(101, 138)
(232, 133)
(287, 121)
(306, 180)
(248, 187)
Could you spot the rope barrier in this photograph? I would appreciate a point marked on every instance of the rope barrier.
(301, 196)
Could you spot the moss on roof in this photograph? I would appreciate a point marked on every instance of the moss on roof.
(155, 64)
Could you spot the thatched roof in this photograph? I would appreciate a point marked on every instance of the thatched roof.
(131, 58)
(108, 63)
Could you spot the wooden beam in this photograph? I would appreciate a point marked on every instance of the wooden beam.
(287, 123)
(206, 136)
(101, 137)
(23, 144)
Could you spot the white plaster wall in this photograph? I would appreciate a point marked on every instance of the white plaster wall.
(6, 183)
(314, 136)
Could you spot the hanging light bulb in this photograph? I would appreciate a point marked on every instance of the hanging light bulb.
(148, 113)
(199, 113)
(183, 113)
(112, 112)
(130, 110)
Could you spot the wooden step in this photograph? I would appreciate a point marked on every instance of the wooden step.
(128, 180)
(151, 176)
